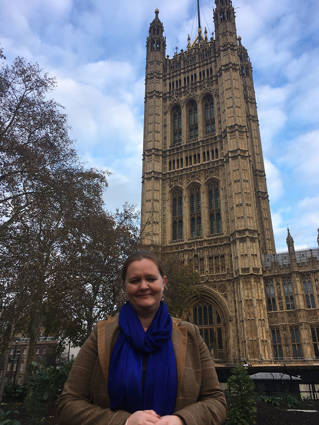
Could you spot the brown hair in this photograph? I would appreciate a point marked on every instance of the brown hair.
(138, 256)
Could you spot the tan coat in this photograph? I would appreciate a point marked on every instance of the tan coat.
(85, 399)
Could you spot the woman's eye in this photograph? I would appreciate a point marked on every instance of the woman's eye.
(134, 281)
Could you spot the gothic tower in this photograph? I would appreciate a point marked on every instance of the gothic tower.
(204, 194)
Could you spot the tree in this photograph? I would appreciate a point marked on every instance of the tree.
(34, 148)
(34, 139)
(181, 285)
(94, 289)
(241, 398)
(48, 203)
(60, 250)
(38, 246)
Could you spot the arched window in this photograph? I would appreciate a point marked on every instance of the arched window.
(177, 125)
(215, 220)
(209, 115)
(177, 215)
(195, 212)
(212, 327)
(192, 120)
(309, 294)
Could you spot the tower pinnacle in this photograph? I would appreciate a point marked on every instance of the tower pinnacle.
(290, 242)
(156, 40)
(224, 19)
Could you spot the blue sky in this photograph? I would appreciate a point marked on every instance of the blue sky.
(96, 50)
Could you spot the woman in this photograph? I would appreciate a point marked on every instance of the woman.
(142, 367)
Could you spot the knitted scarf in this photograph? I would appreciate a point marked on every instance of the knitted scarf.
(128, 390)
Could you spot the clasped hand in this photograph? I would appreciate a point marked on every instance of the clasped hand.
(149, 417)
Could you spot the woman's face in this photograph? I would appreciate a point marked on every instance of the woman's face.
(144, 286)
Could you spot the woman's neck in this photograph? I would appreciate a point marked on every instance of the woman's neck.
(146, 319)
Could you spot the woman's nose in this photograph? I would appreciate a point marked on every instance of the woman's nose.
(144, 283)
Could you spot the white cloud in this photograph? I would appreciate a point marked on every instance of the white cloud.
(303, 158)
(303, 222)
(277, 222)
(272, 113)
(98, 54)
(97, 118)
(274, 181)
(309, 203)
(309, 212)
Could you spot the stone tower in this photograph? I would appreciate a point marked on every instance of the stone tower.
(204, 194)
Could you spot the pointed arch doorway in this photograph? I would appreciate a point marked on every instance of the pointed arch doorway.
(210, 313)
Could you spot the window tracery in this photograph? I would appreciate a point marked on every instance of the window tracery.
(211, 326)
(177, 125)
(309, 294)
(195, 212)
(209, 115)
(192, 120)
(215, 221)
(177, 215)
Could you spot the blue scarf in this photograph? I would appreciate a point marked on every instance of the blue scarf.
(127, 390)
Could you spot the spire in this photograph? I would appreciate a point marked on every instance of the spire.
(156, 40)
(199, 26)
(199, 36)
(156, 27)
(318, 238)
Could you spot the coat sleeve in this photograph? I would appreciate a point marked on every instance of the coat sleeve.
(76, 404)
(210, 408)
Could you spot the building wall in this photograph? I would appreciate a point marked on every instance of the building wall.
(204, 193)
(18, 352)
(292, 296)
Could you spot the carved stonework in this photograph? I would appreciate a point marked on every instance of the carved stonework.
(228, 227)
(211, 173)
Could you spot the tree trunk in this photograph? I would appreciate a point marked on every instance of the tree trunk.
(33, 334)
(3, 372)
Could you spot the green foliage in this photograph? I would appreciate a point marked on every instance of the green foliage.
(291, 401)
(6, 417)
(45, 385)
(181, 284)
(241, 398)
(14, 392)
(60, 250)
(270, 399)
(280, 400)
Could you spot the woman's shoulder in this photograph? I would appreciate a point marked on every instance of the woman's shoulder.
(110, 322)
(183, 324)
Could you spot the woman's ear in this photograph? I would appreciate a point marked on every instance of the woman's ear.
(164, 280)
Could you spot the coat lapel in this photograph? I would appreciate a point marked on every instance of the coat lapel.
(106, 332)
(179, 339)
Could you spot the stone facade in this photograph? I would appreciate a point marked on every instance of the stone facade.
(204, 193)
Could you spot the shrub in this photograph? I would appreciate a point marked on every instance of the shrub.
(5, 417)
(285, 400)
(241, 398)
(14, 392)
(45, 385)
